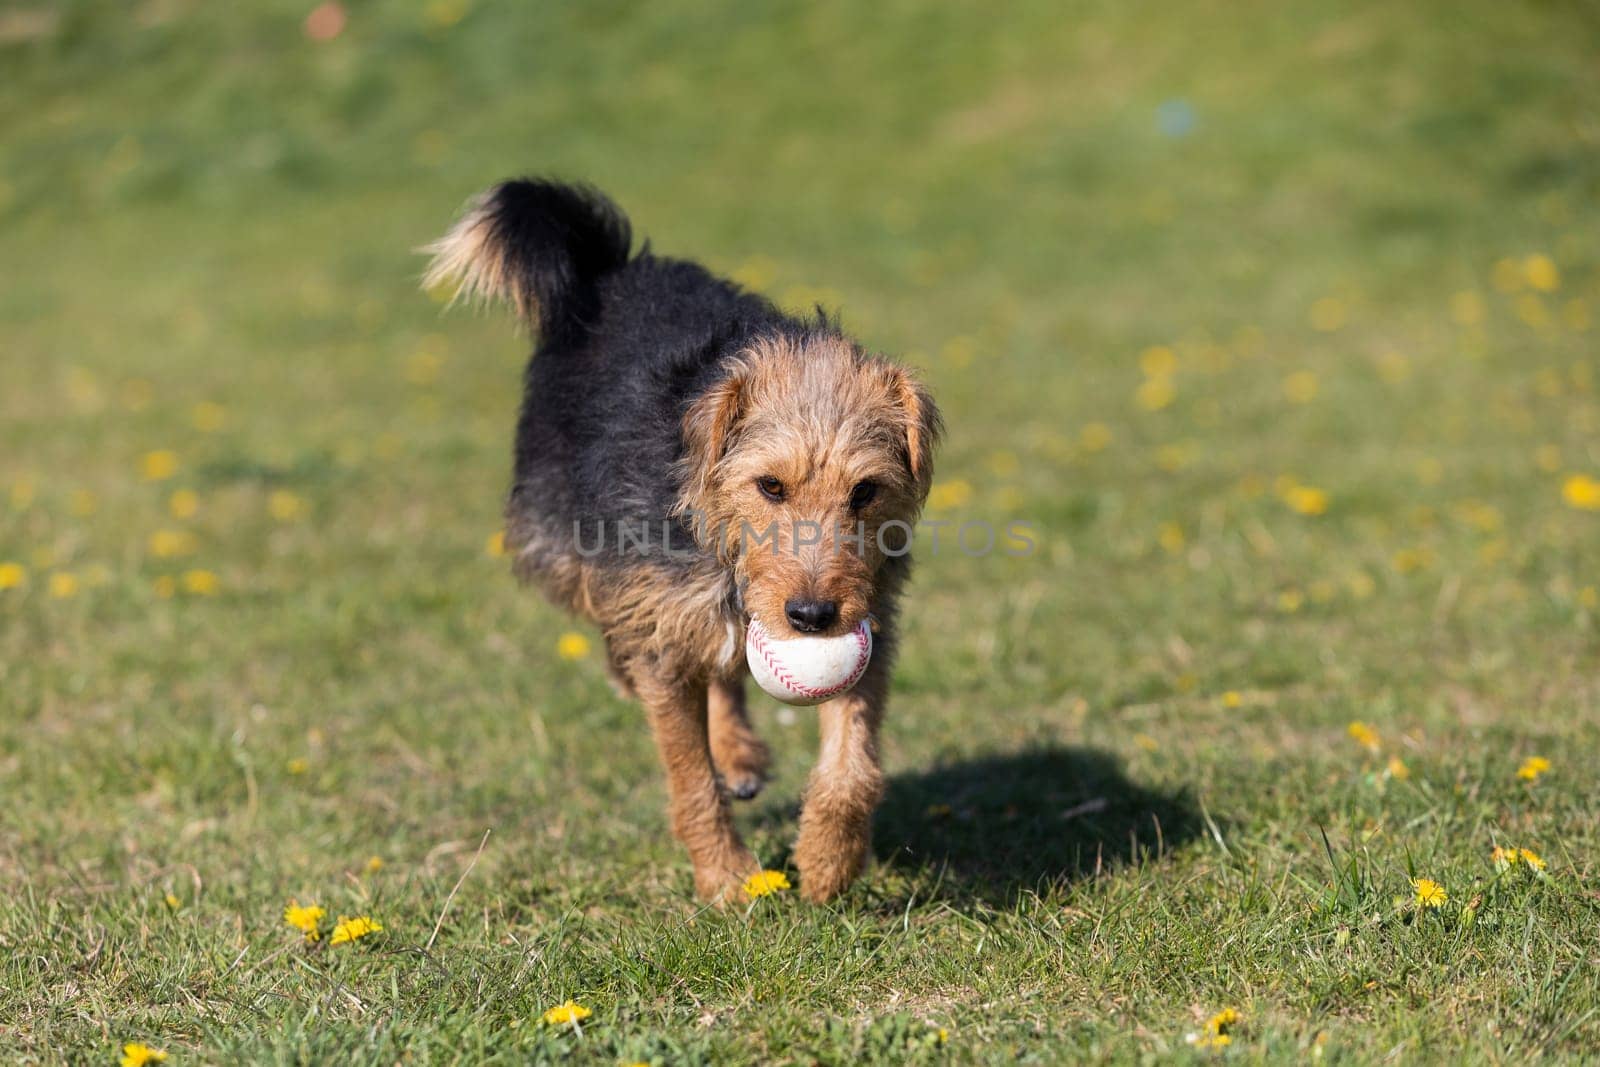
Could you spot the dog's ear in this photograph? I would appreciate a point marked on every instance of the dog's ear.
(923, 426)
(708, 425)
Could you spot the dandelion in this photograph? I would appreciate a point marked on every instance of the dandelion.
(297, 766)
(570, 1013)
(951, 494)
(765, 884)
(374, 864)
(1398, 769)
(496, 545)
(1429, 894)
(1306, 500)
(572, 646)
(1532, 768)
(1233, 700)
(172, 902)
(135, 1054)
(1541, 273)
(12, 575)
(1154, 394)
(1503, 858)
(1328, 315)
(1171, 538)
(284, 505)
(1094, 437)
(1218, 1031)
(347, 930)
(1158, 361)
(1301, 387)
(1534, 861)
(166, 543)
(1364, 735)
(1582, 492)
(63, 585)
(184, 504)
(159, 465)
(306, 919)
(200, 583)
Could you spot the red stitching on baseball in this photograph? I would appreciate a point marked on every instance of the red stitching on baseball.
(758, 638)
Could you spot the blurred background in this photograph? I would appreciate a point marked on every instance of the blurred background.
(1277, 319)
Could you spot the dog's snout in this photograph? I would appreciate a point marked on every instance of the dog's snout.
(809, 616)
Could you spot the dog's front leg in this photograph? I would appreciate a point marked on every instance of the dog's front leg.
(845, 786)
(698, 807)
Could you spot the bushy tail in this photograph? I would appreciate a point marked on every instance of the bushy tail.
(542, 245)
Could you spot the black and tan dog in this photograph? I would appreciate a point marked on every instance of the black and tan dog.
(667, 413)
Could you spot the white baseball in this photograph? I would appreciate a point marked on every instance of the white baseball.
(807, 670)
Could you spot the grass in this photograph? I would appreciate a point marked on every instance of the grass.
(1123, 793)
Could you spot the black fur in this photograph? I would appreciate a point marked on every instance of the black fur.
(625, 345)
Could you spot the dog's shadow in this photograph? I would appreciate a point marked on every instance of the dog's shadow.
(993, 827)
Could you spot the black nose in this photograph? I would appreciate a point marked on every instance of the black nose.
(809, 616)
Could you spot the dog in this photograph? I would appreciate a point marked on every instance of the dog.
(661, 398)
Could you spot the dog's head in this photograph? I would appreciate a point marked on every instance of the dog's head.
(804, 468)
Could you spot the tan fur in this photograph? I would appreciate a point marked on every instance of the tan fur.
(474, 263)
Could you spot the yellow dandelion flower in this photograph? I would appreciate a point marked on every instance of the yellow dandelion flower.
(1306, 500)
(135, 1054)
(172, 901)
(1398, 769)
(1429, 894)
(165, 544)
(284, 505)
(1531, 858)
(1171, 538)
(1364, 735)
(572, 646)
(306, 919)
(496, 545)
(208, 417)
(1154, 394)
(1329, 315)
(347, 929)
(765, 884)
(1582, 492)
(184, 504)
(12, 575)
(1301, 387)
(1232, 699)
(159, 465)
(1094, 437)
(200, 583)
(570, 1013)
(1394, 368)
(297, 766)
(1158, 361)
(374, 864)
(1291, 601)
(951, 494)
(63, 585)
(1541, 273)
(1504, 858)
(1217, 1033)
(1532, 768)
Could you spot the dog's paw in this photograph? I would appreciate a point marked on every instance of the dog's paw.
(744, 786)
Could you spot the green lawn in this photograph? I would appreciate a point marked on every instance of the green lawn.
(1278, 321)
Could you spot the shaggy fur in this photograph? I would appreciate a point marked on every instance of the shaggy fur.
(666, 414)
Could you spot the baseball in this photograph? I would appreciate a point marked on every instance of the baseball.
(807, 670)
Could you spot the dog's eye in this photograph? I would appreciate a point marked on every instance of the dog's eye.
(862, 495)
(770, 487)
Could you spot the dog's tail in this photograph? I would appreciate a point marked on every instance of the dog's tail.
(542, 245)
